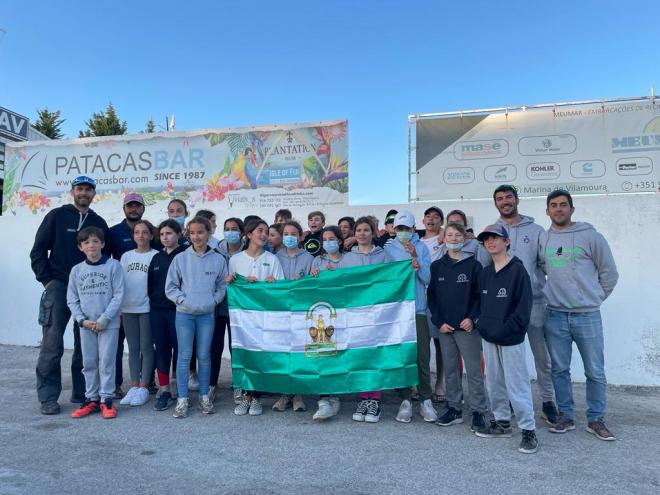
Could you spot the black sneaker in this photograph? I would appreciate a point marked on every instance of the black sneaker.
(163, 402)
(451, 417)
(478, 422)
(562, 425)
(549, 413)
(529, 443)
(373, 412)
(496, 429)
(50, 407)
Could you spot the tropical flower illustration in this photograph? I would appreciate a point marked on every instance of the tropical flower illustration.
(34, 201)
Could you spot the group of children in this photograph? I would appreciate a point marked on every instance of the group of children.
(173, 304)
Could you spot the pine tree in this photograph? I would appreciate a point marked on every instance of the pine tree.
(49, 123)
(151, 127)
(104, 124)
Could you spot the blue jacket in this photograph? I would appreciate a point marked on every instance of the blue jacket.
(397, 252)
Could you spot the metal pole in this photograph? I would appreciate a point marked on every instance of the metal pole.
(410, 117)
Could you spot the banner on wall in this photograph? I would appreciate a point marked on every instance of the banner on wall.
(279, 166)
(586, 149)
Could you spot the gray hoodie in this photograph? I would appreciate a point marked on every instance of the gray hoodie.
(580, 268)
(357, 258)
(196, 282)
(295, 266)
(524, 237)
(95, 291)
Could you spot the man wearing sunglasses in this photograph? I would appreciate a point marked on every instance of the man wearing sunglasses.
(54, 253)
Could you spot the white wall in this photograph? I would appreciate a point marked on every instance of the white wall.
(629, 222)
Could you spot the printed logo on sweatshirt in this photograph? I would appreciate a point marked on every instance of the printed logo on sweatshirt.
(501, 293)
(93, 284)
(462, 278)
(136, 266)
(210, 274)
(526, 239)
(560, 257)
(441, 279)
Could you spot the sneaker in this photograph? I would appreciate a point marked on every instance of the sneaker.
(238, 395)
(119, 393)
(282, 403)
(211, 393)
(243, 406)
(361, 411)
(549, 413)
(50, 407)
(335, 404)
(562, 425)
(181, 408)
(206, 405)
(599, 429)
(478, 422)
(163, 402)
(405, 412)
(324, 411)
(126, 401)
(299, 403)
(529, 443)
(428, 412)
(108, 410)
(255, 407)
(496, 429)
(141, 397)
(373, 412)
(88, 407)
(193, 382)
(451, 417)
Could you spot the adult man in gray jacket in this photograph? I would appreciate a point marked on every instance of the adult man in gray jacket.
(581, 274)
(524, 237)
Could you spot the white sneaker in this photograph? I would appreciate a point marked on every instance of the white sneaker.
(255, 407)
(206, 405)
(211, 393)
(238, 395)
(361, 411)
(324, 412)
(405, 412)
(126, 401)
(193, 381)
(428, 412)
(243, 407)
(181, 408)
(141, 397)
(335, 404)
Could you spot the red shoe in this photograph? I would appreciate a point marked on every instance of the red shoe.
(88, 407)
(108, 410)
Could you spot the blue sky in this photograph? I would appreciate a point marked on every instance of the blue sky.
(230, 64)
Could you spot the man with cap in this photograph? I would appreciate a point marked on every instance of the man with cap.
(407, 245)
(121, 241)
(505, 309)
(389, 229)
(524, 237)
(53, 255)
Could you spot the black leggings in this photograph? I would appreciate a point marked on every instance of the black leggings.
(163, 332)
(218, 346)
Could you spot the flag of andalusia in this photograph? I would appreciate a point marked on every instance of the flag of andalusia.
(348, 330)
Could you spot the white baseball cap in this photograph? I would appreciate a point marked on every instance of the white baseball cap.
(404, 218)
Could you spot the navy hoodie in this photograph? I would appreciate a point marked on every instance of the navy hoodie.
(55, 251)
(453, 293)
(156, 277)
(506, 303)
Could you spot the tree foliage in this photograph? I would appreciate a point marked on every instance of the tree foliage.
(104, 123)
(49, 123)
(150, 127)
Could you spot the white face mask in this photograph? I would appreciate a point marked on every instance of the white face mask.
(455, 247)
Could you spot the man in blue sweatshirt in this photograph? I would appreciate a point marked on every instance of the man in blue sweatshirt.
(581, 274)
(407, 245)
(54, 253)
(524, 237)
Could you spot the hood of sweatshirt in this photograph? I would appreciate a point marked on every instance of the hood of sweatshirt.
(581, 271)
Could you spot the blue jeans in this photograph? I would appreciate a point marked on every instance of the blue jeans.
(189, 327)
(586, 330)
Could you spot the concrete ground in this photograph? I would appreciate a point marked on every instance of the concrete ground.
(144, 451)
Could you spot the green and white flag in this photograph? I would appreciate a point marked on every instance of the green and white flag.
(347, 330)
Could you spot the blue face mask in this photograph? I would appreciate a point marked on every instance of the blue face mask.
(180, 220)
(331, 247)
(290, 241)
(404, 236)
(455, 247)
(232, 236)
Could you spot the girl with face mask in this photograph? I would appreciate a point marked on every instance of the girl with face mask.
(453, 297)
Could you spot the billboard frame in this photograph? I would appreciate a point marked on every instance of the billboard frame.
(413, 118)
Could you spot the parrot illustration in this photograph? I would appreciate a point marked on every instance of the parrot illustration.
(251, 168)
(238, 168)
